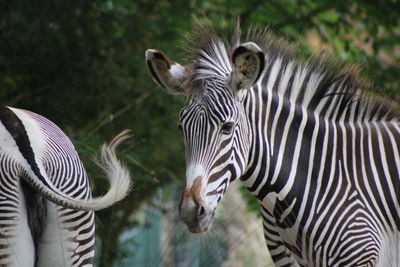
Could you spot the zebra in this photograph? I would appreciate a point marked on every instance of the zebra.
(46, 208)
(305, 137)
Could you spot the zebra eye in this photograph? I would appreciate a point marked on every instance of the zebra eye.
(227, 127)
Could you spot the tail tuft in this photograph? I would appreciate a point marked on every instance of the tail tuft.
(116, 173)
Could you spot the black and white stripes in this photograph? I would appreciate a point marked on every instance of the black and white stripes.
(38, 162)
(321, 156)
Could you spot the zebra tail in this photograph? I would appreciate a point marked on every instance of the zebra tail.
(116, 173)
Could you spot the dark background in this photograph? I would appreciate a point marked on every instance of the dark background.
(81, 64)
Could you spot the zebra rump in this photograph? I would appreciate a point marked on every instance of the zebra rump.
(38, 164)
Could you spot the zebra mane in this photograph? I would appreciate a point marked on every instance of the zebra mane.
(209, 57)
(328, 81)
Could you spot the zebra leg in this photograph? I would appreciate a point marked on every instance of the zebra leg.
(280, 254)
(16, 243)
(68, 239)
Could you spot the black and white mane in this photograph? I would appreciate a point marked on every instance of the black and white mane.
(314, 80)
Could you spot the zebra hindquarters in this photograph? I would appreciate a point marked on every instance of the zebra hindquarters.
(16, 242)
(68, 238)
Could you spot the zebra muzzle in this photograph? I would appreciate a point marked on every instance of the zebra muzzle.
(197, 217)
(193, 209)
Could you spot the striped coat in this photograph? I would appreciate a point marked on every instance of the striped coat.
(46, 208)
(320, 155)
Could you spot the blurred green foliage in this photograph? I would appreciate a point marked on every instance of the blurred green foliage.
(81, 64)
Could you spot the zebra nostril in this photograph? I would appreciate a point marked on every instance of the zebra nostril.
(201, 211)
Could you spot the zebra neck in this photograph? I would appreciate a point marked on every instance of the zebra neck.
(334, 95)
(281, 133)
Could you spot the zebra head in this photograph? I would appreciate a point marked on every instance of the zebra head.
(214, 125)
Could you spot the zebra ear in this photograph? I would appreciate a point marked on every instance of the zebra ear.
(166, 73)
(248, 61)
